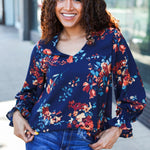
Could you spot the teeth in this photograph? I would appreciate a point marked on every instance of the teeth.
(69, 15)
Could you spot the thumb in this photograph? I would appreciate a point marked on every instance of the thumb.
(28, 127)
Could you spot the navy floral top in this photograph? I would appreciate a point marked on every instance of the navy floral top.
(63, 91)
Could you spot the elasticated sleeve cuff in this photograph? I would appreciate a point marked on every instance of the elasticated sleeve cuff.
(9, 115)
(122, 121)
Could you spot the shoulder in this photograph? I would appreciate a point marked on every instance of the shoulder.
(107, 33)
(42, 48)
(115, 34)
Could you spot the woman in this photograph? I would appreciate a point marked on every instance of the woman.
(66, 100)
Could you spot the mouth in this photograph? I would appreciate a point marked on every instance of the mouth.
(69, 15)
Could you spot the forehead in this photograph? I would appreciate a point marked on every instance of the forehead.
(81, 1)
(65, 2)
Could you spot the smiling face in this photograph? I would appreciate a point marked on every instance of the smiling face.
(69, 12)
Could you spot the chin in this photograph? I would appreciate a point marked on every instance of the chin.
(70, 25)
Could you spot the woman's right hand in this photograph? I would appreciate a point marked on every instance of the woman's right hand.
(22, 128)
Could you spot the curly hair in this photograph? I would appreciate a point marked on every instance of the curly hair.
(95, 17)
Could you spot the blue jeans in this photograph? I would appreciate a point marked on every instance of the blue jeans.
(74, 139)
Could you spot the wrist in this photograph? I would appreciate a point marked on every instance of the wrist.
(17, 113)
(117, 129)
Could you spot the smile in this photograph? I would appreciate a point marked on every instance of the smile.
(69, 15)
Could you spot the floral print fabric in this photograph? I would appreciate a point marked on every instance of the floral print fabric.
(63, 91)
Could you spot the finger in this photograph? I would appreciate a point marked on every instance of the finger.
(27, 138)
(27, 126)
(28, 134)
(95, 145)
(30, 138)
(99, 145)
(109, 147)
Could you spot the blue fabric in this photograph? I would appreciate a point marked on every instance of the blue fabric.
(61, 140)
(63, 91)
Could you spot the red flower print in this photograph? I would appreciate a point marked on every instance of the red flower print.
(103, 105)
(69, 114)
(45, 110)
(71, 102)
(50, 81)
(122, 48)
(69, 125)
(56, 57)
(87, 123)
(44, 68)
(120, 82)
(50, 86)
(48, 89)
(21, 97)
(70, 59)
(40, 80)
(46, 113)
(139, 107)
(25, 84)
(74, 122)
(99, 124)
(127, 79)
(123, 126)
(107, 89)
(92, 93)
(106, 68)
(119, 72)
(47, 51)
(86, 87)
(77, 125)
(75, 113)
(75, 106)
(58, 113)
(115, 47)
(63, 62)
(93, 83)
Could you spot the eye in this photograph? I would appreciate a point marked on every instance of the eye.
(77, 0)
(73, 0)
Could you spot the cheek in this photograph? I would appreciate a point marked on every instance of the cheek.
(58, 7)
(79, 8)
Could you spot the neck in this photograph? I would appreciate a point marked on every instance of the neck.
(73, 33)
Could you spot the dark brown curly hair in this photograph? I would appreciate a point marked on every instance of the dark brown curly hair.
(95, 17)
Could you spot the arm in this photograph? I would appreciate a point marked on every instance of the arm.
(128, 86)
(129, 93)
(32, 88)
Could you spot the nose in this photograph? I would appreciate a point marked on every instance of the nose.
(68, 5)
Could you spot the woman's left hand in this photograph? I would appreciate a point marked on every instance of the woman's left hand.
(107, 138)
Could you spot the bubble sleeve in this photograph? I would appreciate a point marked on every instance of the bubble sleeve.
(129, 91)
(32, 87)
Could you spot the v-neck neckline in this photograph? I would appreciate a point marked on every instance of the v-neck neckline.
(55, 40)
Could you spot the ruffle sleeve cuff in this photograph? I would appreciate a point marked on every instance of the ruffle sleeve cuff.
(23, 109)
(9, 115)
(122, 121)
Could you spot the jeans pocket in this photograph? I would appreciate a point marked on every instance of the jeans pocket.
(82, 134)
